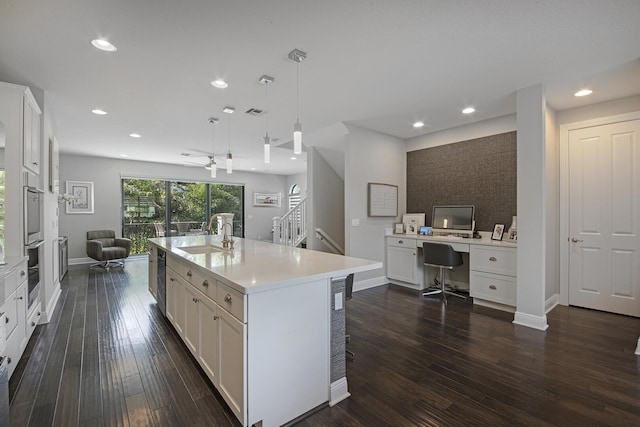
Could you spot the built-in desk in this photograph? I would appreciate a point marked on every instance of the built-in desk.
(489, 270)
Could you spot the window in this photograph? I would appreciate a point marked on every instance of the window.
(191, 205)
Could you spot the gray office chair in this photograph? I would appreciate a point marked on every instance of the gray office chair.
(444, 257)
(105, 247)
(348, 294)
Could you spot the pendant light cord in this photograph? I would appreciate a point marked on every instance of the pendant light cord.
(229, 132)
(266, 106)
(297, 91)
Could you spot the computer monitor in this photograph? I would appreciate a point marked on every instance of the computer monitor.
(457, 219)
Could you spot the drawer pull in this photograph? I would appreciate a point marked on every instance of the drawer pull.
(216, 317)
(171, 278)
(189, 273)
(205, 283)
(6, 320)
(33, 324)
(19, 298)
(492, 287)
(227, 298)
(494, 259)
(8, 360)
(400, 242)
(22, 273)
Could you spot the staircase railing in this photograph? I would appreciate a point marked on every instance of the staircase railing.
(329, 242)
(291, 228)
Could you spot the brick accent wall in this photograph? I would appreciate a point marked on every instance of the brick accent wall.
(480, 172)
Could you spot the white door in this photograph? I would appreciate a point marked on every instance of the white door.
(604, 217)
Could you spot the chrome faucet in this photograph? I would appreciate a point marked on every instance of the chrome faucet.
(226, 239)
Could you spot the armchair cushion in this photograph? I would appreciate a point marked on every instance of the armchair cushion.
(103, 245)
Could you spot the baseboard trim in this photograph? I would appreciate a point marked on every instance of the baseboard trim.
(339, 391)
(51, 305)
(551, 303)
(78, 261)
(369, 283)
(530, 321)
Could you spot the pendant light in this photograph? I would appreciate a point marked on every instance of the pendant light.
(266, 81)
(229, 111)
(297, 56)
(212, 163)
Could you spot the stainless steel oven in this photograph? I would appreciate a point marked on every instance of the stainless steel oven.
(34, 265)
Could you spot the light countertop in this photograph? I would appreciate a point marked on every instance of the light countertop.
(254, 266)
(485, 239)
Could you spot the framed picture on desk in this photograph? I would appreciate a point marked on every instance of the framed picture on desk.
(498, 230)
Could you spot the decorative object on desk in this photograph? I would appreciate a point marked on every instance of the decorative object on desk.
(426, 231)
(498, 230)
(413, 222)
(398, 228)
(382, 199)
(82, 197)
(513, 233)
(267, 199)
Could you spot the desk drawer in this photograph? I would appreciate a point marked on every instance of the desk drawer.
(204, 284)
(176, 265)
(402, 242)
(493, 260)
(493, 287)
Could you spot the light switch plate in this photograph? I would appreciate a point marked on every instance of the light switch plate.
(355, 222)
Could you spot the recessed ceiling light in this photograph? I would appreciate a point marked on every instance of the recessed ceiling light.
(99, 112)
(124, 155)
(103, 45)
(583, 92)
(220, 84)
(418, 124)
(468, 110)
(135, 135)
(253, 169)
(293, 158)
(228, 110)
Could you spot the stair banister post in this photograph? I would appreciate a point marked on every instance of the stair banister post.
(276, 229)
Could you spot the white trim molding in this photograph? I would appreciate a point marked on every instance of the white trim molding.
(638, 347)
(339, 391)
(530, 321)
(370, 283)
(53, 302)
(551, 303)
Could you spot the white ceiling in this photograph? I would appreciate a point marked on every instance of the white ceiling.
(378, 64)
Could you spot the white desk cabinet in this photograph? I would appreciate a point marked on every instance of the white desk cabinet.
(493, 276)
(401, 260)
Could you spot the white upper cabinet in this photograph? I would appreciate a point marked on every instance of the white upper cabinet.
(31, 135)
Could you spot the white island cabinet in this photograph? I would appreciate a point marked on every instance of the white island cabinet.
(258, 320)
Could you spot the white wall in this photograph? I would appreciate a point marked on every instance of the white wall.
(325, 203)
(106, 176)
(532, 199)
(371, 157)
(552, 209)
(463, 133)
(599, 110)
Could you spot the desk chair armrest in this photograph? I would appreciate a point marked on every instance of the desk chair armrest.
(123, 243)
(94, 249)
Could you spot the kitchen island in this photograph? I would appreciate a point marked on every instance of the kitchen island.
(264, 321)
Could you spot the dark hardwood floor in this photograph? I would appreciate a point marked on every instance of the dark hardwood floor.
(109, 358)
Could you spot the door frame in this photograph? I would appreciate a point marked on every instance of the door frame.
(565, 129)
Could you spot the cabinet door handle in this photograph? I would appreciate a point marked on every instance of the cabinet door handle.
(189, 273)
(6, 319)
(8, 360)
(35, 163)
(216, 317)
(574, 240)
(492, 287)
(150, 261)
(20, 298)
(205, 283)
(171, 278)
(22, 273)
(400, 242)
(494, 259)
(33, 324)
(227, 298)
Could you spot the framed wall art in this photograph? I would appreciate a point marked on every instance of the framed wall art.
(267, 199)
(81, 197)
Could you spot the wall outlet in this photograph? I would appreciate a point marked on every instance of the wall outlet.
(355, 222)
(337, 298)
